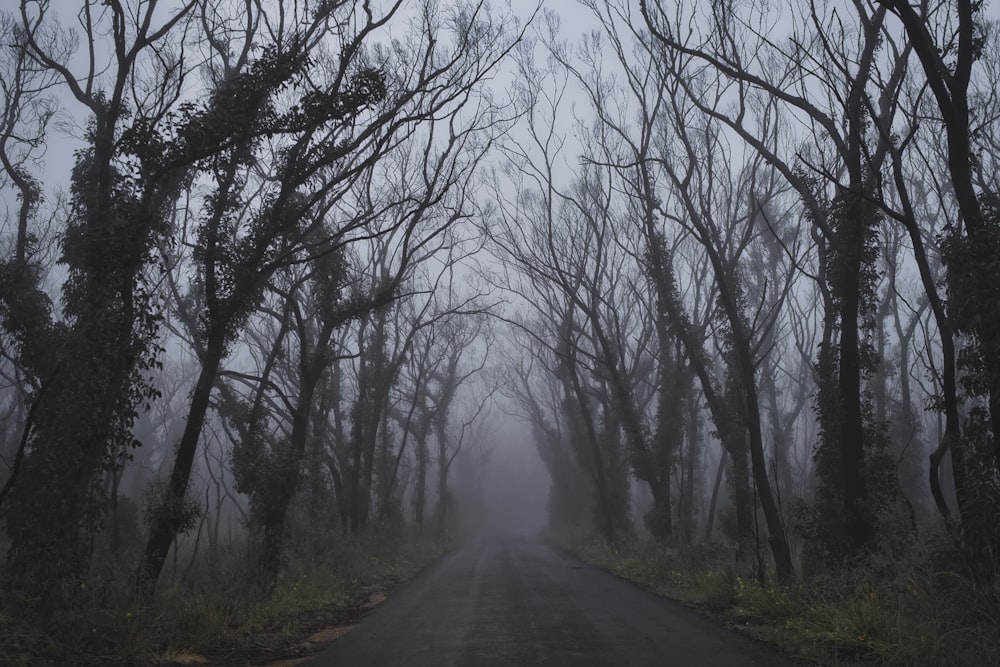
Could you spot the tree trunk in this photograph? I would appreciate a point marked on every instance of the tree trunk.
(713, 502)
(857, 514)
(420, 486)
(688, 492)
(743, 501)
(772, 515)
(285, 479)
(598, 470)
(165, 524)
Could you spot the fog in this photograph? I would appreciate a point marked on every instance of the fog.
(515, 488)
(281, 278)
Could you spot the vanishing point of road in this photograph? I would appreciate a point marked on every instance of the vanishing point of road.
(502, 600)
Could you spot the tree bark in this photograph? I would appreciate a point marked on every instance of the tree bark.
(164, 527)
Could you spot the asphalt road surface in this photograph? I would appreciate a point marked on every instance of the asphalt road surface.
(503, 600)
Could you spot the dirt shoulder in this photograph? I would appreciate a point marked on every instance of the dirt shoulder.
(218, 623)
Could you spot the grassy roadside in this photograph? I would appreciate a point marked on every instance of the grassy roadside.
(902, 610)
(219, 611)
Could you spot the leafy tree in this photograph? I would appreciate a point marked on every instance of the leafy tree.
(95, 357)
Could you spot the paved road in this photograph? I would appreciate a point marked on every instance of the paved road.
(511, 601)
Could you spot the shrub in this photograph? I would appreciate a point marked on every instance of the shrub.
(912, 603)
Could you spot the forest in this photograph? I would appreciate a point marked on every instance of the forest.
(282, 282)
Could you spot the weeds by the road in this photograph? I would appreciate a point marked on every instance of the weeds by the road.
(220, 610)
(914, 609)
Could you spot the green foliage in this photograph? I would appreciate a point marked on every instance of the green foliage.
(97, 362)
(905, 604)
(849, 262)
(216, 604)
(163, 505)
(237, 251)
(124, 184)
(690, 573)
(26, 314)
(973, 262)
(242, 109)
(822, 522)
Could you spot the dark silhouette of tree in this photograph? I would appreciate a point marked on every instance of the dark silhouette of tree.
(848, 156)
(97, 356)
(348, 117)
(970, 249)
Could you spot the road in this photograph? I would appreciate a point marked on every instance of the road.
(503, 600)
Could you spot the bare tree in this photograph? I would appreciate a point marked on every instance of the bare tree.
(829, 93)
(947, 39)
(559, 255)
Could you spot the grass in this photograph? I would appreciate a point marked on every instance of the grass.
(902, 609)
(220, 611)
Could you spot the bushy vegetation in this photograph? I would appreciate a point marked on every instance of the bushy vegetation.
(218, 605)
(890, 608)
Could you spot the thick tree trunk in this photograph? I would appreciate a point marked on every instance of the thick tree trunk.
(658, 518)
(743, 502)
(851, 239)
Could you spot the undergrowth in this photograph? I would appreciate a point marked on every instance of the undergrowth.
(216, 603)
(913, 608)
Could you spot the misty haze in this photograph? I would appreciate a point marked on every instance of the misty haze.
(499, 332)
